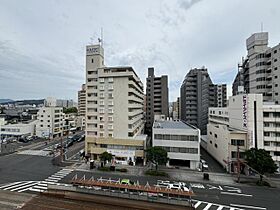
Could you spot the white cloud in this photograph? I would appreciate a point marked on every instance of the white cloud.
(45, 49)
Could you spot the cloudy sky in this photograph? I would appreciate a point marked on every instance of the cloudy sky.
(42, 43)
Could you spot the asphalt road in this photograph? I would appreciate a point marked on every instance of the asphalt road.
(239, 196)
(15, 167)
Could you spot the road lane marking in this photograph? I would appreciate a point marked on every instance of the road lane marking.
(208, 206)
(239, 194)
(244, 206)
(197, 204)
(8, 185)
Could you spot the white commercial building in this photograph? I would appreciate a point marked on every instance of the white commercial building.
(114, 109)
(180, 140)
(18, 129)
(247, 122)
(50, 122)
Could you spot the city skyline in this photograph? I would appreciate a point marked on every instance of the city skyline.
(42, 51)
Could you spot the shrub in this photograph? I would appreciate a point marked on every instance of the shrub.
(156, 173)
(124, 170)
(103, 168)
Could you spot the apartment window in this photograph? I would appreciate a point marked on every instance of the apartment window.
(266, 143)
(41, 125)
(101, 118)
(42, 115)
(101, 102)
(276, 94)
(110, 135)
(44, 110)
(110, 126)
(101, 95)
(101, 87)
(237, 142)
(101, 126)
(216, 145)
(101, 110)
(266, 134)
(275, 77)
(110, 111)
(266, 124)
(275, 60)
(211, 142)
(110, 119)
(210, 133)
(216, 136)
(110, 95)
(101, 80)
(101, 134)
(277, 153)
(110, 87)
(275, 68)
(275, 51)
(110, 79)
(266, 114)
(111, 103)
(276, 85)
(92, 60)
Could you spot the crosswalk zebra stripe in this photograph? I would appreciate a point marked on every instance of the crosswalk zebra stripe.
(45, 182)
(8, 185)
(51, 180)
(35, 190)
(56, 176)
(19, 188)
(197, 204)
(40, 187)
(208, 206)
(220, 207)
(18, 185)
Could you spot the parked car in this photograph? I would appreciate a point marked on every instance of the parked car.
(23, 140)
(127, 182)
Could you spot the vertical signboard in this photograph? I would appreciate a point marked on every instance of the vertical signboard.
(245, 111)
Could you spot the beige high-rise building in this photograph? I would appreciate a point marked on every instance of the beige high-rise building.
(114, 110)
(260, 70)
(82, 101)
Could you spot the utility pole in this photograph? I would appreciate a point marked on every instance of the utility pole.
(238, 164)
(61, 150)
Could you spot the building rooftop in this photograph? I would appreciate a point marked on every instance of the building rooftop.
(172, 125)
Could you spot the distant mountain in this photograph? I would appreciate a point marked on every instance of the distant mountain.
(3, 101)
(22, 102)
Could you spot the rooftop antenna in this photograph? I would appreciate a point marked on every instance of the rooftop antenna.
(100, 40)
(261, 26)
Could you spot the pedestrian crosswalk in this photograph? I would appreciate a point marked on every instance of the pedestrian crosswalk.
(36, 186)
(35, 152)
(203, 205)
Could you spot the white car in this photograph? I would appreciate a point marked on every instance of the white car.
(205, 165)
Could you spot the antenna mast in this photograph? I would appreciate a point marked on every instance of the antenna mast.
(261, 26)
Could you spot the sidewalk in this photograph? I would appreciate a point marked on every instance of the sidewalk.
(174, 174)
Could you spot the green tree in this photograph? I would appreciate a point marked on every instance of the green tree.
(106, 156)
(70, 110)
(157, 155)
(261, 161)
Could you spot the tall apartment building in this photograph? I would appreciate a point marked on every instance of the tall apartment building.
(156, 98)
(175, 112)
(247, 122)
(220, 95)
(260, 71)
(50, 122)
(82, 101)
(114, 109)
(197, 95)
